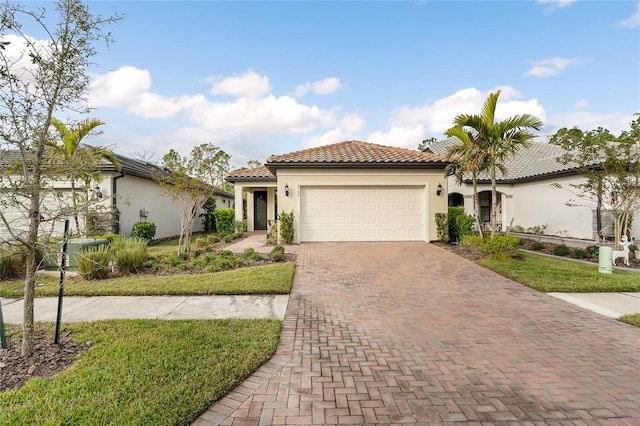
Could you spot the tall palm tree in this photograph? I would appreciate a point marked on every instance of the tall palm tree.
(81, 165)
(499, 139)
(468, 158)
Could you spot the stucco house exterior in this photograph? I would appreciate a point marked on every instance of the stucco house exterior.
(131, 195)
(533, 192)
(348, 191)
(124, 197)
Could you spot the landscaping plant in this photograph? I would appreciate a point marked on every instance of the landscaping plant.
(144, 230)
(93, 263)
(286, 227)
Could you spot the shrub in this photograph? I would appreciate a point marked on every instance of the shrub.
(277, 253)
(460, 224)
(561, 250)
(537, 246)
(93, 263)
(224, 262)
(442, 227)
(517, 228)
(475, 243)
(592, 250)
(240, 226)
(212, 239)
(130, 254)
(252, 255)
(225, 253)
(200, 243)
(633, 248)
(502, 246)
(144, 230)
(286, 227)
(580, 253)
(225, 220)
(9, 265)
(228, 238)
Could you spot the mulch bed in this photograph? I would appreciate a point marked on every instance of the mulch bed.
(48, 358)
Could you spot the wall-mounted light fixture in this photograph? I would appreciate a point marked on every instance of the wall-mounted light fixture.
(439, 190)
(286, 189)
(98, 192)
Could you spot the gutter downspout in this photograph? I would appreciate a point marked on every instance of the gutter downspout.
(115, 222)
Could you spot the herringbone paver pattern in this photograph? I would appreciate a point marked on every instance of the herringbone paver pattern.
(395, 333)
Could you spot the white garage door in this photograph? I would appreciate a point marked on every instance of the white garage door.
(361, 213)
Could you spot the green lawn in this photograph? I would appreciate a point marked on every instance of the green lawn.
(275, 278)
(144, 372)
(548, 274)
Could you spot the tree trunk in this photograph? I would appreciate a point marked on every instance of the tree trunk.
(476, 205)
(493, 202)
(30, 277)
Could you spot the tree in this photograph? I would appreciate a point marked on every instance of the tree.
(498, 140)
(82, 162)
(37, 80)
(610, 167)
(468, 158)
(190, 182)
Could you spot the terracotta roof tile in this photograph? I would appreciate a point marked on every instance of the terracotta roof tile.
(357, 153)
(257, 173)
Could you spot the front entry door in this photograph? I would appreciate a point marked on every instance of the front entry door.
(260, 210)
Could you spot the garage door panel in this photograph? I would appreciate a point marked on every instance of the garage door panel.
(361, 213)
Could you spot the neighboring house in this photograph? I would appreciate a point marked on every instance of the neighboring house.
(349, 191)
(128, 196)
(529, 196)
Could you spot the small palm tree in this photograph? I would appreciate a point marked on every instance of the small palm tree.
(498, 140)
(80, 165)
(468, 158)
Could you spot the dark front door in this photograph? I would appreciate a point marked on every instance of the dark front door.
(260, 210)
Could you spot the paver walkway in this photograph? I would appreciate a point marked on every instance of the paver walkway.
(380, 333)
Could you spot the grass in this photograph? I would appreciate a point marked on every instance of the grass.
(144, 372)
(633, 319)
(275, 278)
(547, 274)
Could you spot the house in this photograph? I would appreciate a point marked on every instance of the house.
(534, 193)
(348, 191)
(122, 197)
(132, 195)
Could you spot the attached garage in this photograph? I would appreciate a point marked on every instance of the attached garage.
(350, 191)
(362, 213)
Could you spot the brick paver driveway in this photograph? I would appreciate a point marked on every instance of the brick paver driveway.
(410, 333)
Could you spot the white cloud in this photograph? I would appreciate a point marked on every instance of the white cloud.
(582, 103)
(403, 137)
(129, 87)
(555, 4)
(615, 122)
(348, 129)
(16, 52)
(250, 84)
(438, 115)
(320, 87)
(633, 20)
(550, 66)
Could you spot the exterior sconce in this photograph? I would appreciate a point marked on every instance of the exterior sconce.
(286, 189)
(98, 192)
(439, 190)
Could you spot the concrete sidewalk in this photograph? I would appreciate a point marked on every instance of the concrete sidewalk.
(149, 307)
(612, 305)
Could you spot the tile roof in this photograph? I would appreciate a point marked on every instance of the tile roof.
(357, 153)
(538, 160)
(257, 173)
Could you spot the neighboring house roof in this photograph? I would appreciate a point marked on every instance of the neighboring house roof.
(357, 154)
(255, 174)
(537, 161)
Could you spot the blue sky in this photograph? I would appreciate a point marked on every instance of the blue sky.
(262, 78)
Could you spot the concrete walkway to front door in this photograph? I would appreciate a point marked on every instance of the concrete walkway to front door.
(380, 333)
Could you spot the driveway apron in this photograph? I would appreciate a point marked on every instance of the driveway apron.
(381, 333)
